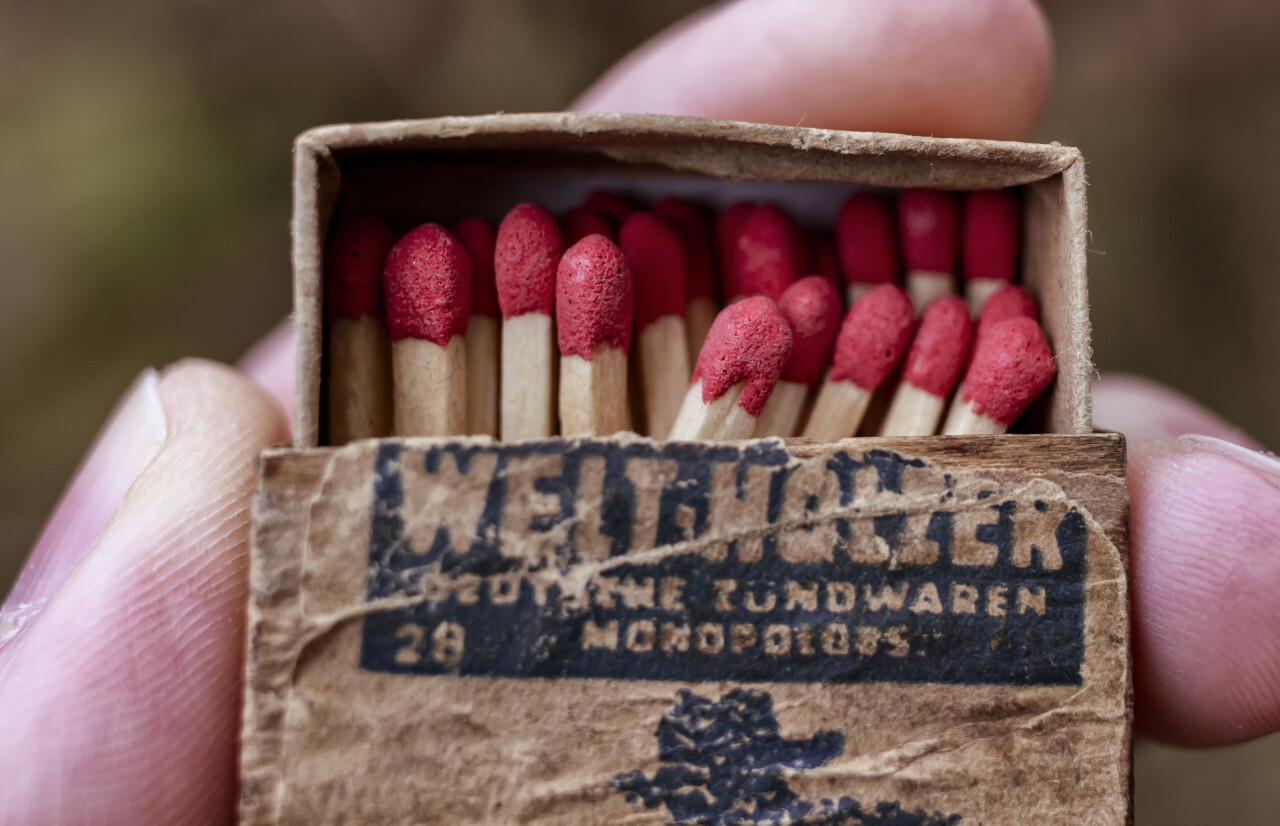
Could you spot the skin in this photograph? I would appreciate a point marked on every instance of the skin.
(120, 645)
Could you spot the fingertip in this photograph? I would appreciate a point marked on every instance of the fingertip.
(271, 363)
(958, 68)
(195, 390)
(1142, 408)
(1204, 574)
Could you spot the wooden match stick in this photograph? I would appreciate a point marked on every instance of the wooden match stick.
(593, 328)
(737, 370)
(526, 255)
(770, 254)
(991, 234)
(937, 355)
(693, 223)
(728, 230)
(812, 309)
(1012, 364)
(580, 222)
(427, 279)
(867, 242)
(657, 260)
(359, 350)
(483, 353)
(871, 341)
(929, 225)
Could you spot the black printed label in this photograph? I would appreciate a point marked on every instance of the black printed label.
(718, 563)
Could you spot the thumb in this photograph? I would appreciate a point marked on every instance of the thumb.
(122, 693)
(1203, 511)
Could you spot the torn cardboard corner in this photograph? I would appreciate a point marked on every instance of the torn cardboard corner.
(602, 631)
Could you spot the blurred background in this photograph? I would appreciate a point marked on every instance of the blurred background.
(144, 205)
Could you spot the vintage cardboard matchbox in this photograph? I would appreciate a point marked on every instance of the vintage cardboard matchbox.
(599, 631)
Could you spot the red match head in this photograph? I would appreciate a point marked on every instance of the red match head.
(728, 229)
(693, 222)
(940, 347)
(867, 240)
(1012, 363)
(525, 257)
(656, 257)
(929, 224)
(769, 255)
(874, 336)
(580, 222)
(611, 205)
(427, 279)
(991, 235)
(476, 234)
(593, 298)
(749, 341)
(1010, 302)
(353, 268)
(812, 309)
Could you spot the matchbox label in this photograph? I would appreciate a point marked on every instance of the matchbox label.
(706, 562)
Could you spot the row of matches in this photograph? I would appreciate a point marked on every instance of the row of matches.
(459, 331)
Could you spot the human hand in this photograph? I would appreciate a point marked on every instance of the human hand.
(121, 643)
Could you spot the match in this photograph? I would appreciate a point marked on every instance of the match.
(929, 226)
(867, 243)
(1012, 364)
(990, 240)
(812, 309)
(871, 342)
(359, 350)
(526, 255)
(737, 370)
(937, 355)
(693, 223)
(1010, 302)
(657, 261)
(769, 255)
(427, 279)
(823, 259)
(593, 328)
(483, 347)
(728, 230)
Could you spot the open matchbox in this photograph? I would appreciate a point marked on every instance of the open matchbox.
(597, 631)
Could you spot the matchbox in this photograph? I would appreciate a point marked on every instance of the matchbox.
(602, 630)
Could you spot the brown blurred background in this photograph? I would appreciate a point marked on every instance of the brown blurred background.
(144, 200)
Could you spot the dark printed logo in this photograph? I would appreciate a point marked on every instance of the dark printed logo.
(723, 763)
(712, 563)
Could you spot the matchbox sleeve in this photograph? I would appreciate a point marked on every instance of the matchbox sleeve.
(587, 631)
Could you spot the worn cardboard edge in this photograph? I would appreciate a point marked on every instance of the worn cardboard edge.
(1080, 400)
(627, 133)
(722, 149)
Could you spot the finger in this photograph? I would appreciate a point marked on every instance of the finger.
(126, 444)
(1141, 408)
(959, 68)
(121, 698)
(1203, 565)
(1205, 568)
(270, 362)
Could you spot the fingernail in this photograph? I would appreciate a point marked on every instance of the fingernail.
(1261, 460)
(132, 437)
